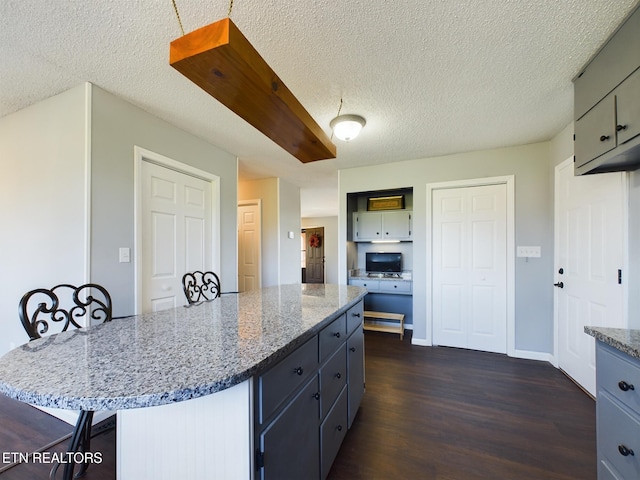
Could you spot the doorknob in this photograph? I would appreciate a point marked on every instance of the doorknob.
(559, 285)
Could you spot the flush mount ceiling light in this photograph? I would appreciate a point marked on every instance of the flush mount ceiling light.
(347, 127)
(220, 60)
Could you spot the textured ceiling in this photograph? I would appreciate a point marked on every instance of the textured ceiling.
(432, 77)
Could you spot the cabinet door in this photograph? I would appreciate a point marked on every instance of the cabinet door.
(618, 58)
(290, 445)
(628, 111)
(596, 132)
(355, 368)
(367, 226)
(397, 225)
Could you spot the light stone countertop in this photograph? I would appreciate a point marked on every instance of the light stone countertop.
(623, 339)
(172, 355)
(374, 276)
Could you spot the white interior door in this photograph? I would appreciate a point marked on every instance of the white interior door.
(469, 250)
(590, 250)
(249, 246)
(176, 233)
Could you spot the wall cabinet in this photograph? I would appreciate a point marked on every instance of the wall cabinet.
(391, 225)
(617, 414)
(306, 403)
(607, 105)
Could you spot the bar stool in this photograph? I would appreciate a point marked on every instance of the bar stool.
(46, 311)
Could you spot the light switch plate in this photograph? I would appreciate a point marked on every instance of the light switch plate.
(125, 255)
(528, 252)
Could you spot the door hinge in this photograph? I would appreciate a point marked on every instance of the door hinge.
(259, 459)
(619, 277)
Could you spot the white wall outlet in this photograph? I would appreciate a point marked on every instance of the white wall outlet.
(291, 235)
(528, 252)
(124, 255)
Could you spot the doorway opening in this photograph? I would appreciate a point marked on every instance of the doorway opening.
(312, 255)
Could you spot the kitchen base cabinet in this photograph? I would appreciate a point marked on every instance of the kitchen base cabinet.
(299, 428)
(290, 443)
(617, 414)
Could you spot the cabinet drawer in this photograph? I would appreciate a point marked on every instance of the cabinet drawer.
(332, 336)
(395, 287)
(279, 382)
(618, 430)
(333, 377)
(617, 374)
(355, 315)
(370, 285)
(332, 432)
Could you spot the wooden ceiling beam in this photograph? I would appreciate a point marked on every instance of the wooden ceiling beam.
(220, 60)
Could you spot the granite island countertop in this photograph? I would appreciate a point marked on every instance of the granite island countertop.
(623, 339)
(172, 355)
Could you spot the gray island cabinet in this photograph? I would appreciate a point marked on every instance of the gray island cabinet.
(618, 402)
(305, 404)
(263, 384)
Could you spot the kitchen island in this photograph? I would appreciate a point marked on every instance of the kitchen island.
(212, 355)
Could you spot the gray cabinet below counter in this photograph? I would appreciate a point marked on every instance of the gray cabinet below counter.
(306, 403)
(375, 285)
(617, 414)
(387, 295)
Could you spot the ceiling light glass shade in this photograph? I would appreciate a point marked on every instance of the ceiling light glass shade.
(347, 127)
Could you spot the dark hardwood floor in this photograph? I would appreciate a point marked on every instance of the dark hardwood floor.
(428, 413)
(452, 414)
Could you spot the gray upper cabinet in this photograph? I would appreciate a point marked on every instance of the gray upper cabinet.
(392, 225)
(596, 132)
(628, 108)
(607, 105)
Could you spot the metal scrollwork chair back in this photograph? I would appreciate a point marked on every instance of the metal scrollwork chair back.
(62, 307)
(56, 310)
(201, 286)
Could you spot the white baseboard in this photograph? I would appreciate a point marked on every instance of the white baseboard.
(422, 342)
(530, 355)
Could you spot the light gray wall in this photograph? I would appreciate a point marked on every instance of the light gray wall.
(530, 164)
(330, 225)
(561, 146)
(43, 198)
(289, 221)
(118, 126)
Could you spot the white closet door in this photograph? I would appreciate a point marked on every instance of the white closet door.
(176, 233)
(470, 267)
